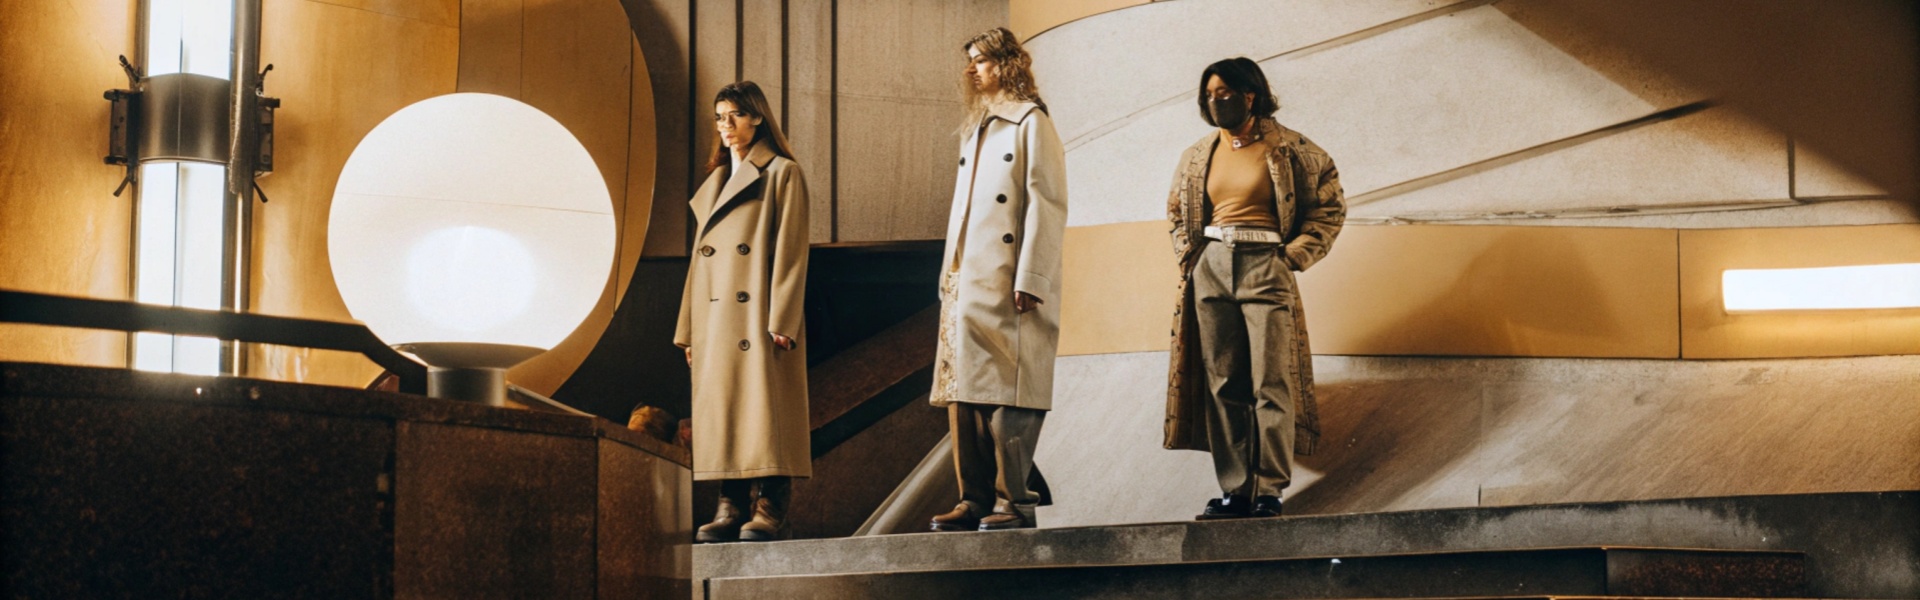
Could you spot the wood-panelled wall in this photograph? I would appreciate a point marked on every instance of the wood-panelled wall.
(61, 229)
(338, 71)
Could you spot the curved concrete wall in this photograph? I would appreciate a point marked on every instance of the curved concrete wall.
(1434, 111)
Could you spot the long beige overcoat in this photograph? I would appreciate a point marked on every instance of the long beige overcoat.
(1308, 199)
(748, 278)
(1009, 215)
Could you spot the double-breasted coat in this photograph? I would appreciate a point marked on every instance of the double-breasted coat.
(1004, 235)
(748, 278)
(1309, 203)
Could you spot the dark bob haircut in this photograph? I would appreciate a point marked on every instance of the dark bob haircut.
(1241, 75)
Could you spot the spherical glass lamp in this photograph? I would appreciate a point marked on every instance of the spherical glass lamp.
(473, 232)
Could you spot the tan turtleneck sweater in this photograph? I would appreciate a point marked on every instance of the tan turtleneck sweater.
(1239, 186)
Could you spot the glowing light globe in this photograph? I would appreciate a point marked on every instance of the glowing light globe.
(473, 232)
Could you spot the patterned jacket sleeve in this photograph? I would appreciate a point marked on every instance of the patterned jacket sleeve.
(1176, 216)
(1322, 208)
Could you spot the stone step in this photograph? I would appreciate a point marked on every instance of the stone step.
(1594, 571)
(1857, 544)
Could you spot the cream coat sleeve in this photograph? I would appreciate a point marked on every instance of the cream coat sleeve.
(786, 313)
(683, 332)
(1044, 223)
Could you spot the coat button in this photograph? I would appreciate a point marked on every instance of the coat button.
(1009, 157)
(744, 345)
(1001, 199)
(1006, 239)
(742, 296)
(963, 161)
(744, 249)
(706, 250)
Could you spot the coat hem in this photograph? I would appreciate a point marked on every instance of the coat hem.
(752, 473)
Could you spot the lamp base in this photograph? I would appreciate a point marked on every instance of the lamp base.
(467, 371)
(476, 385)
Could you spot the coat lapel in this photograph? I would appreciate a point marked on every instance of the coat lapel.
(731, 191)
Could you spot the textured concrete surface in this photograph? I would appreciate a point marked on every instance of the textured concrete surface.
(1418, 433)
(1500, 115)
(1858, 545)
(1557, 571)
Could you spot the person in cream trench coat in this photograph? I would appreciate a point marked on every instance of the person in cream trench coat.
(1000, 288)
(742, 321)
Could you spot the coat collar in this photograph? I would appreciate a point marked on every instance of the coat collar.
(758, 157)
(1011, 111)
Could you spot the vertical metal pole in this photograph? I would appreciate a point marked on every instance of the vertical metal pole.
(242, 150)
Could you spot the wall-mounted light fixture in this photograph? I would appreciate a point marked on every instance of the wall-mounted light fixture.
(193, 133)
(1861, 287)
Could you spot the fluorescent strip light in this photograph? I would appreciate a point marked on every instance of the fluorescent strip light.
(1862, 287)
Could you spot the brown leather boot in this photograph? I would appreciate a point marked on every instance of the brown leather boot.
(961, 518)
(728, 518)
(769, 512)
(1007, 515)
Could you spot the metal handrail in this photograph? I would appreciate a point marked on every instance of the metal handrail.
(119, 315)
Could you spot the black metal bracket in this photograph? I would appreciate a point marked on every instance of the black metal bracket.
(92, 313)
(121, 144)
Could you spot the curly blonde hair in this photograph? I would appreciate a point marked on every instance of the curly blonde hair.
(1011, 64)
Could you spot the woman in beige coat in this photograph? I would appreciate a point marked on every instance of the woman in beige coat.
(1000, 289)
(742, 321)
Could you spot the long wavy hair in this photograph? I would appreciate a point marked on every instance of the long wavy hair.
(1011, 64)
(746, 96)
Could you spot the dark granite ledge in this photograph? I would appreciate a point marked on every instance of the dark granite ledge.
(38, 380)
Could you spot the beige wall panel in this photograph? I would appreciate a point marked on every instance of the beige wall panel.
(491, 33)
(1408, 290)
(61, 229)
(1495, 291)
(810, 105)
(1712, 156)
(1119, 290)
(900, 101)
(339, 72)
(1029, 18)
(762, 45)
(435, 12)
(1709, 332)
(576, 65)
(1816, 176)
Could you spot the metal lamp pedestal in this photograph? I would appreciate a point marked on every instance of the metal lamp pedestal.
(469, 372)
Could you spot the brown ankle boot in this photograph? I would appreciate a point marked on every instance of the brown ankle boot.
(769, 512)
(728, 518)
(1007, 515)
(961, 518)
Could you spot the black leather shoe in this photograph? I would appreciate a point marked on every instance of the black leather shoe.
(1226, 507)
(1266, 506)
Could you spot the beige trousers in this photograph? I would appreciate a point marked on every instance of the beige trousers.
(1246, 330)
(993, 455)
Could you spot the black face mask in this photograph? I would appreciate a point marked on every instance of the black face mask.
(1229, 112)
